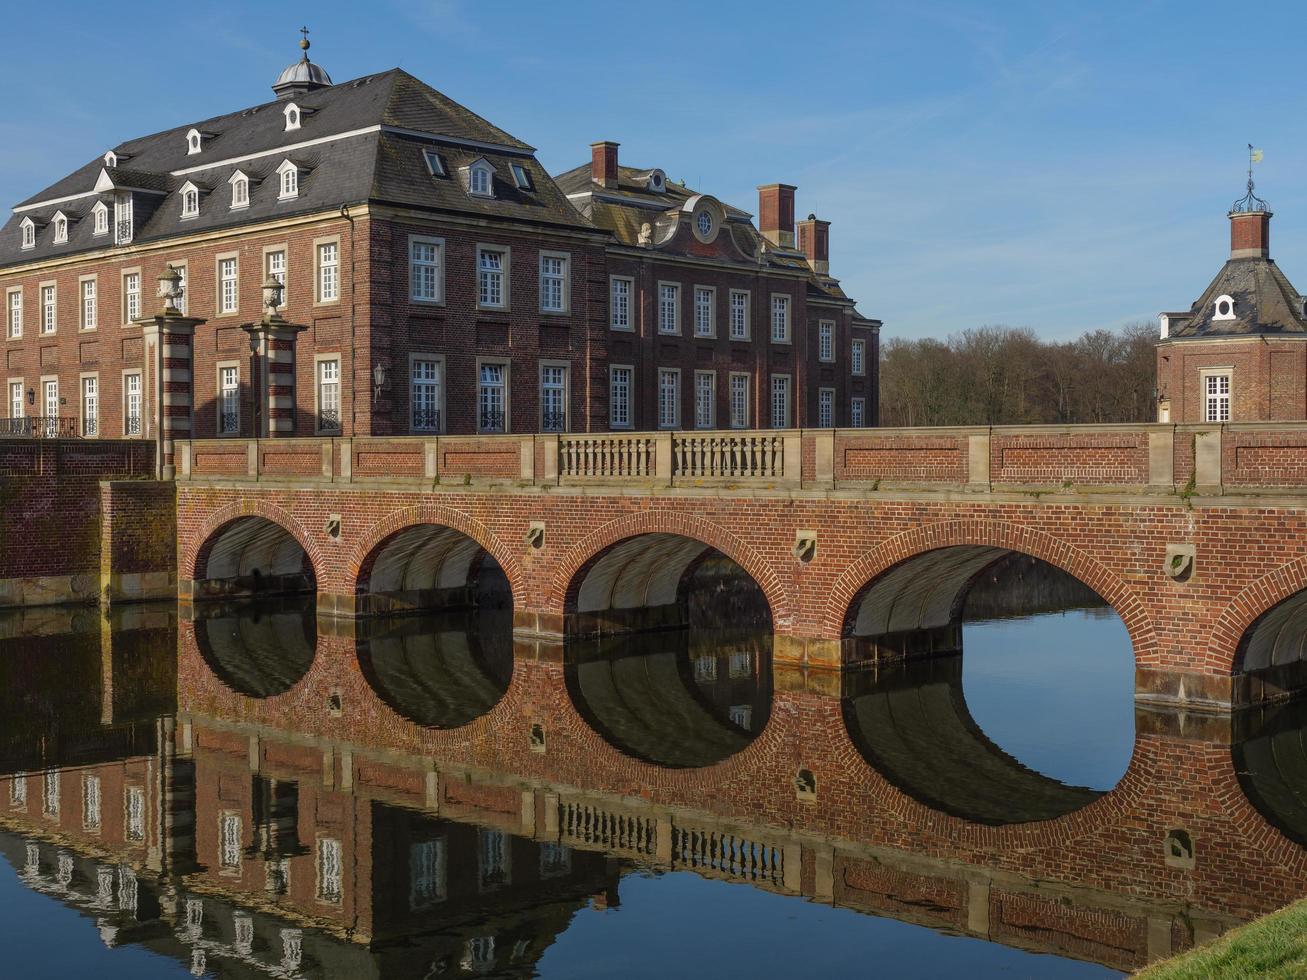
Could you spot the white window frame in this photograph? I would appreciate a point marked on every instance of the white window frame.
(414, 359)
(227, 304)
(1210, 378)
(27, 228)
(50, 398)
(134, 813)
(131, 297)
(858, 356)
(294, 116)
(826, 341)
(705, 397)
(88, 316)
(51, 791)
(435, 163)
(60, 228)
(124, 219)
(858, 412)
(740, 388)
(17, 398)
(288, 181)
(520, 177)
(282, 275)
(319, 383)
(138, 396)
(48, 293)
(563, 280)
(672, 420)
(505, 263)
(506, 386)
(740, 328)
(773, 387)
(781, 318)
(240, 191)
(194, 142)
(220, 403)
(705, 313)
(14, 313)
(88, 395)
(481, 179)
(183, 269)
(100, 219)
(231, 841)
(437, 296)
(825, 408)
(670, 328)
(613, 420)
(326, 271)
(92, 802)
(620, 314)
(565, 367)
(190, 201)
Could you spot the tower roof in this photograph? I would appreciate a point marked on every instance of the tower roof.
(303, 76)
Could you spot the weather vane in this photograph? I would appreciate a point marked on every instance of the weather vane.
(1250, 201)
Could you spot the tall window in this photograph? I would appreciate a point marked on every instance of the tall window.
(490, 278)
(493, 858)
(18, 789)
(275, 266)
(739, 314)
(89, 307)
(16, 313)
(50, 793)
(181, 287)
(780, 319)
(29, 234)
(229, 400)
(424, 271)
(425, 395)
(240, 192)
(479, 180)
(669, 398)
(134, 801)
(15, 399)
(49, 321)
(90, 801)
(780, 401)
(132, 403)
(101, 213)
(290, 182)
(739, 401)
(51, 400)
(229, 840)
(826, 340)
(553, 283)
(553, 398)
(131, 296)
(426, 873)
(329, 396)
(669, 307)
(190, 202)
(60, 230)
(329, 870)
(492, 399)
(228, 285)
(705, 399)
(703, 312)
(619, 303)
(1216, 388)
(328, 272)
(825, 408)
(858, 412)
(619, 397)
(858, 357)
(90, 406)
(122, 219)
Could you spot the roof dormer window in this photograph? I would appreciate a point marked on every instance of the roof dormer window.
(240, 190)
(111, 159)
(194, 142)
(521, 178)
(293, 116)
(1223, 308)
(435, 165)
(480, 179)
(28, 229)
(288, 181)
(60, 228)
(190, 200)
(100, 216)
(657, 181)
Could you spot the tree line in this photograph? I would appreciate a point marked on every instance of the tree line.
(1008, 376)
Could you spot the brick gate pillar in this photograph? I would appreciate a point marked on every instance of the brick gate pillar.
(272, 356)
(169, 374)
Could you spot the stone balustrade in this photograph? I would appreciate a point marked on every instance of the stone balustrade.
(1263, 457)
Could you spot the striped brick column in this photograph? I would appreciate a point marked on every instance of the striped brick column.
(272, 342)
(169, 359)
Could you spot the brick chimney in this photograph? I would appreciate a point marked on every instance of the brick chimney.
(1250, 234)
(814, 242)
(603, 163)
(776, 214)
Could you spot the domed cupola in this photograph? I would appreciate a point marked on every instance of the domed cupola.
(302, 76)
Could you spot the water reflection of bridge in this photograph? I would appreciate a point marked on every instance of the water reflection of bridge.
(317, 828)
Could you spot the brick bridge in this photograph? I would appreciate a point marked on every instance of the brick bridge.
(1196, 535)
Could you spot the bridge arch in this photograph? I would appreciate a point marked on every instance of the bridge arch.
(917, 579)
(641, 562)
(251, 547)
(428, 557)
(1263, 629)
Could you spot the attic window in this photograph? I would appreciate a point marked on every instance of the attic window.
(289, 182)
(704, 222)
(240, 190)
(29, 233)
(101, 214)
(657, 181)
(60, 228)
(1223, 308)
(111, 159)
(194, 141)
(479, 180)
(521, 178)
(190, 200)
(293, 114)
(435, 165)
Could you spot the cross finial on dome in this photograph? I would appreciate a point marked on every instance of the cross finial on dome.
(304, 42)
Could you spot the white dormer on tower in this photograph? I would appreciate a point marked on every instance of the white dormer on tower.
(60, 222)
(100, 218)
(111, 159)
(481, 178)
(293, 115)
(194, 142)
(27, 228)
(1223, 308)
(288, 181)
(190, 200)
(240, 190)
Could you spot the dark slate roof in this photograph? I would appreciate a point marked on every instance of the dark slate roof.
(1265, 302)
(384, 166)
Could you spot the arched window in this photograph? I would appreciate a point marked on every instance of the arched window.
(240, 190)
(29, 233)
(60, 229)
(289, 185)
(190, 201)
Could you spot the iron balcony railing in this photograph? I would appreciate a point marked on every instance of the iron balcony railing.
(329, 420)
(132, 425)
(553, 421)
(491, 421)
(40, 427)
(426, 421)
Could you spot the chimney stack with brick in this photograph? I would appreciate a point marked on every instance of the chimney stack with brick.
(776, 214)
(1250, 234)
(603, 163)
(814, 242)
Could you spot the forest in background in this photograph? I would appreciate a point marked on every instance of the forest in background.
(1008, 376)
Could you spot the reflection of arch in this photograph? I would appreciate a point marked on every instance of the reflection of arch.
(650, 552)
(1271, 763)
(973, 545)
(650, 697)
(259, 649)
(418, 550)
(913, 726)
(441, 673)
(1255, 630)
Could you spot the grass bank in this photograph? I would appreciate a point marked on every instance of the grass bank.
(1273, 947)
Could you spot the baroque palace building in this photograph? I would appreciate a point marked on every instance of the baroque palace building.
(433, 278)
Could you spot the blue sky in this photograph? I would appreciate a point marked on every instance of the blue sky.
(1058, 165)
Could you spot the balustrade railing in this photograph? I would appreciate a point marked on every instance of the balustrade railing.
(41, 427)
(606, 456)
(744, 456)
(587, 825)
(727, 855)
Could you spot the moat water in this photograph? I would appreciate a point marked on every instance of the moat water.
(241, 791)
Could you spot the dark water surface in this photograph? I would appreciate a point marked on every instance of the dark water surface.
(248, 792)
